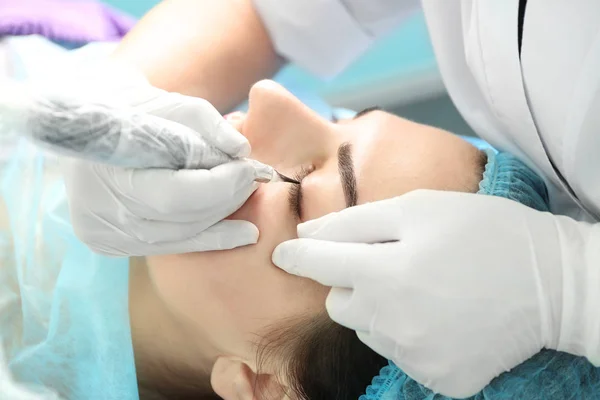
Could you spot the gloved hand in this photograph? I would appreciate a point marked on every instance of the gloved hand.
(455, 288)
(134, 212)
(119, 211)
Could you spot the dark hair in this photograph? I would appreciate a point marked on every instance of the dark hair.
(317, 359)
(321, 359)
(175, 386)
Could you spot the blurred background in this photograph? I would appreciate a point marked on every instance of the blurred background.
(399, 74)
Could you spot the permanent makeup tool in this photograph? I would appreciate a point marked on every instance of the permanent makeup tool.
(268, 174)
(101, 134)
(286, 179)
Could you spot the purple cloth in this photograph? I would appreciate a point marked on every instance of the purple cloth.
(72, 21)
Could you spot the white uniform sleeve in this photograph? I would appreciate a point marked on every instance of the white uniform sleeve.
(325, 36)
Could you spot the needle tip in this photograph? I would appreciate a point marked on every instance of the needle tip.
(287, 179)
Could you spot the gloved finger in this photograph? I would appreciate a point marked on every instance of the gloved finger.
(202, 117)
(210, 217)
(216, 214)
(383, 346)
(329, 263)
(224, 235)
(161, 194)
(346, 309)
(374, 222)
(146, 223)
(153, 231)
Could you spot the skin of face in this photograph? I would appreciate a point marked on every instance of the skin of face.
(231, 298)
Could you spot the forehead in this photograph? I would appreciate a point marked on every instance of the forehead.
(393, 156)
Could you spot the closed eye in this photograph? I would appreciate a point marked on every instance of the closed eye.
(295, 193)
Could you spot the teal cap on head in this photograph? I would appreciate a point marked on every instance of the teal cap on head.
(506, 176)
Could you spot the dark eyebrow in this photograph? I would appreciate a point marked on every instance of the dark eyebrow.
(347, 175)
(366, 111)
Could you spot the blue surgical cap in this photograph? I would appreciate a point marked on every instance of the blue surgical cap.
(547, 375)
(506, 176)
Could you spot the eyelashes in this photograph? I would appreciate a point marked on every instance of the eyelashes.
(359, 114)
(294, 199)
(295, 192)
(366, 111)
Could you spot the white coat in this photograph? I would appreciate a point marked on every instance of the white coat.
(543, 106)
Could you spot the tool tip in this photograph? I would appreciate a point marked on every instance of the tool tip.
(287, 179)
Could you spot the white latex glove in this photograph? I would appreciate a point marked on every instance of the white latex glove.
(134, 212)
(110, 113)
(455, 288)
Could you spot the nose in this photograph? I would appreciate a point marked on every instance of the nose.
(282, 131)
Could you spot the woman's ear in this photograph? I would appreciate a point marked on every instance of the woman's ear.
(233, 379)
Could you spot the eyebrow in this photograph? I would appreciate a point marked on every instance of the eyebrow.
(347, 175)
(366, 111)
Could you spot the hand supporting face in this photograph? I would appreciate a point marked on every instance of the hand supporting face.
(455, 288)
(151, 172)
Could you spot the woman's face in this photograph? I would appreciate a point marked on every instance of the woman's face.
(233, 297)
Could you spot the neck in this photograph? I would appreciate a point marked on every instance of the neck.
(168, 355)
